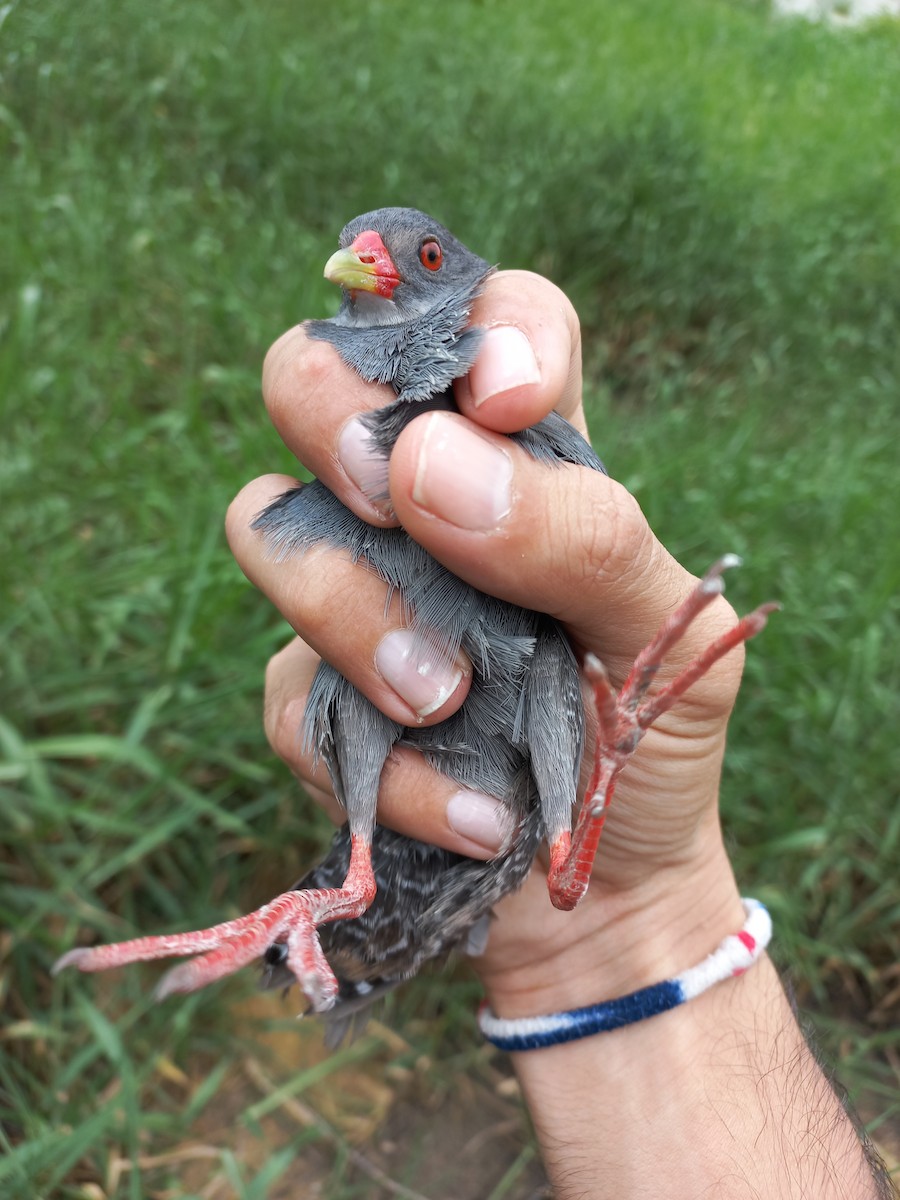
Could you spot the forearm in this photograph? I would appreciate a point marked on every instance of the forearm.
(721, 1097)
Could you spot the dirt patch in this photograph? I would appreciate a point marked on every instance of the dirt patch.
(373, 1119)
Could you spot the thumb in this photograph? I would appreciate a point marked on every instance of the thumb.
(561, 539)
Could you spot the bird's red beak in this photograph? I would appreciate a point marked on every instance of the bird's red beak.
(365, 266)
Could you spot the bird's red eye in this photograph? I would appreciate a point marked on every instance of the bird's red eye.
(431, 255)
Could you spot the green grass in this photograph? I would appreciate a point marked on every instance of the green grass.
(719, 193)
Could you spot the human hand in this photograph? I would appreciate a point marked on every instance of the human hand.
(563, 540)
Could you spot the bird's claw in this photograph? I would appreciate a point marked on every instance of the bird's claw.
(226, 948)
(624, 717)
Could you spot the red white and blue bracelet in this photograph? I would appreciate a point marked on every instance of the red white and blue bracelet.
(733, 956)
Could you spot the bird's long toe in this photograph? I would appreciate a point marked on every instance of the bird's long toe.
(624, 717)
(120, 954)
(218, 964)
(79, 957)
(223, 949)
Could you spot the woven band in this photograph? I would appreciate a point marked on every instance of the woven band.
(735, 954)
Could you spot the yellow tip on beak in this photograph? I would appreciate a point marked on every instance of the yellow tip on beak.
(366, 266)
(346, 269)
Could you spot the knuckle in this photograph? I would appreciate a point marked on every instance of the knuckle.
(570, 316)
(610, 537)
(296, 369)
(276, 364)
(627, 544)
(234, 514)
(283, 724)
(320, 594)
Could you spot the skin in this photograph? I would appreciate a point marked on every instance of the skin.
(727, 1075)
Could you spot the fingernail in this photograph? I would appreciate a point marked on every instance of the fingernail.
(480, 819)
(461, 476)
(505, 361)
(364, 465)
(415, 672)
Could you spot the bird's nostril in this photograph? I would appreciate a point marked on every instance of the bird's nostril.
(367, 258)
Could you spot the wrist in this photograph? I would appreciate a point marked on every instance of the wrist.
(615, 942)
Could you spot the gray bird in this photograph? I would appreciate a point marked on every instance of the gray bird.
(381, 904)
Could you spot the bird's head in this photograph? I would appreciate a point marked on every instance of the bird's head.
(409, 286)
(396, 264)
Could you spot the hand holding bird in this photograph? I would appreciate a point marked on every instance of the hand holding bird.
(579, 550)
(662, 890)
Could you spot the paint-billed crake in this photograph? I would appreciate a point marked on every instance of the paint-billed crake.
(381, 904)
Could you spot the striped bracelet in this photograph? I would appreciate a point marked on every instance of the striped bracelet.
(732, 957)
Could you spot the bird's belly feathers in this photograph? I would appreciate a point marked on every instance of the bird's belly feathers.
(499, 742)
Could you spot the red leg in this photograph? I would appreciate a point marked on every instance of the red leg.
(223, 949)
(623, 719)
